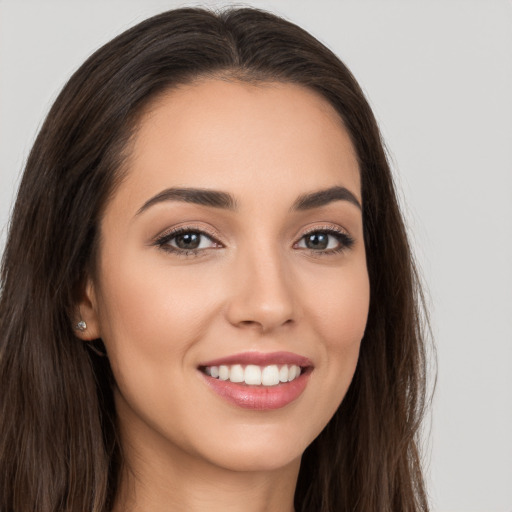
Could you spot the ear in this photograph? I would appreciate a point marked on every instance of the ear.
(87, 311)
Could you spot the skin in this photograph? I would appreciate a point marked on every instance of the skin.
(255, 287)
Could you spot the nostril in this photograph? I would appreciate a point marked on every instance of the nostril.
(263, 326)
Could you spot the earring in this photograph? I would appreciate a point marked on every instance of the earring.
(81, 326)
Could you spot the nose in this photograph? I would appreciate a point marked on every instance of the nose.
(263, 295)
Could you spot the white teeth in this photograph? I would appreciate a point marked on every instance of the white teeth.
(293, 372)
(254, 375)
(270, 376)
(237, 373)
(223, 372)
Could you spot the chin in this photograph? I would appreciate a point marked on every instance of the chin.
(257, 460)
(257, 451)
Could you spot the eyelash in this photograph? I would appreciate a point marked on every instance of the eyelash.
(345, 241)
(163, 241)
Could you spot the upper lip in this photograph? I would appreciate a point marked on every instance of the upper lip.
(260, 359)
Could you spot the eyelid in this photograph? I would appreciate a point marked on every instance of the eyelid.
(345, 240)
(325, 227)
(332, 229)
(176, 230)
(162, 240)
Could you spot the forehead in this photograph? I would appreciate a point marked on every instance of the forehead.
(249, 139)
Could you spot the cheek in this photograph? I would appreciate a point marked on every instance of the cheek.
(339, 316)
(128, 310)
(151, 314)
(151, 319)
(142, 309)
(341, 308)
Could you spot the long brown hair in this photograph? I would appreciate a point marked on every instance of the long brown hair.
(59, 449)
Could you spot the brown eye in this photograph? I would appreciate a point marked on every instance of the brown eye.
(185, 241)
(317, 240)
(190, 240)
(325, 241)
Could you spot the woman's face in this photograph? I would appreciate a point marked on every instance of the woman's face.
(235, 247)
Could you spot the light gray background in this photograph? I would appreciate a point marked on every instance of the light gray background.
(439, 77)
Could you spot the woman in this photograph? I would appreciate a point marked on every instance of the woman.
(208, 298)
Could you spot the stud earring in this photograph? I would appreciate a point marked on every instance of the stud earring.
(81, 326)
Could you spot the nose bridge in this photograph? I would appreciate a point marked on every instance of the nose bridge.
(262, 288)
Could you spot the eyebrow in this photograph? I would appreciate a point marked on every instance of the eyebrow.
(223, 200)
(204, 197)
(323, 197)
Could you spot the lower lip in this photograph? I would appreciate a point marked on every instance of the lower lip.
(261, 398)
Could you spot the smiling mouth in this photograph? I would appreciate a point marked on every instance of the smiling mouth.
(254, 375)
(256, 380)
